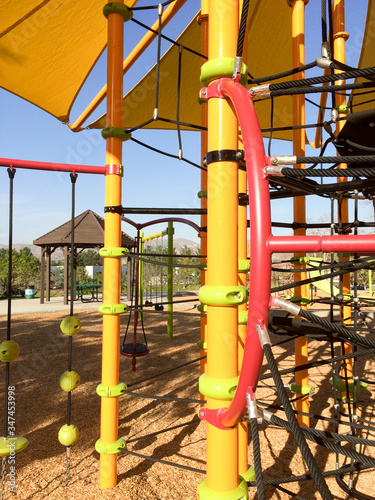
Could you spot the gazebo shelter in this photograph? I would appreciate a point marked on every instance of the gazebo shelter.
(88, 233)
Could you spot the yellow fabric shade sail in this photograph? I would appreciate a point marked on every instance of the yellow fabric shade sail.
(49, 47)
(366, 60)
(269, 51)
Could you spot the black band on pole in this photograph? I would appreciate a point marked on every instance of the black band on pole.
(224, 155)
(116, 209)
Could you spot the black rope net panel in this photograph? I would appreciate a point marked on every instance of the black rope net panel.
(359, 151)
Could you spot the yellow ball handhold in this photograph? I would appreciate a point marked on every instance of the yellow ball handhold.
(69, 381)
(9, 351)
(68, 435)
(70, 325)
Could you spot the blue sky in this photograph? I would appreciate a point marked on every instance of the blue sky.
(42, 199)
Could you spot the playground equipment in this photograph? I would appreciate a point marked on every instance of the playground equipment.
(136, 349)
(234, 351)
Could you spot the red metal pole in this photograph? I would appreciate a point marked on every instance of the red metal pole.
(53, 167)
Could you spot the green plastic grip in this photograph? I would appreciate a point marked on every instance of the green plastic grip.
(222, 67)
(110, 448)
(223, 295)
(113, 252)
(111, 392)
(217, 388)
(112, 309)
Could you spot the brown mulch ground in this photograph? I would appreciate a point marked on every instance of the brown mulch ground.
(42, 406)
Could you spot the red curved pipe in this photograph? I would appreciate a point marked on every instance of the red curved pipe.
(260, 232)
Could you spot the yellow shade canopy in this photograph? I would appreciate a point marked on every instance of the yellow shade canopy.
(366, 60)
(49, 47)
(269, 52)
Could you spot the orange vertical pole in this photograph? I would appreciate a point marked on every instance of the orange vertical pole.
(339, 38)
(203, 21)
(299, 204)
(222, 266)
(112, 265)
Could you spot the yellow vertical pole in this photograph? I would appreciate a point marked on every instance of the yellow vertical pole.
(222, 266)
(339, 38)
(112, 265)
(242, 281)
(299, 204)
(203, 21)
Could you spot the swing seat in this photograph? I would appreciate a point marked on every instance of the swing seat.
(134, 352)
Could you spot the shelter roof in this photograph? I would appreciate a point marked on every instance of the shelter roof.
(88, 233)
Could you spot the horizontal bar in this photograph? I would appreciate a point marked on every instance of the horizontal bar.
(53, 167)
(162, 211)
(336, 243)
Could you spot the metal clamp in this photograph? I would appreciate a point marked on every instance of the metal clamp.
(304, 390)
(240, 493)
(217, 388)
(222, 67)
(243, 266)
(113, 252)
(264, 338)
(114, 169)
(117, 132)
(112, 309)
(110, 448)
(236, 155)
(117, 8)
(242, 317)
(212, 417)
(111, 391)
(223, 295)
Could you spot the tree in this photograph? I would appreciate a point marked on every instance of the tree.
(25, 270)
(58, 263)
(88, 258)
(186, 273)
(82, 276)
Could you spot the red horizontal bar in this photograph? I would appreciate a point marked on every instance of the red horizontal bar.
(53, 167)
(336, 243)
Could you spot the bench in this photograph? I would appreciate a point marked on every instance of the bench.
(87, 292)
